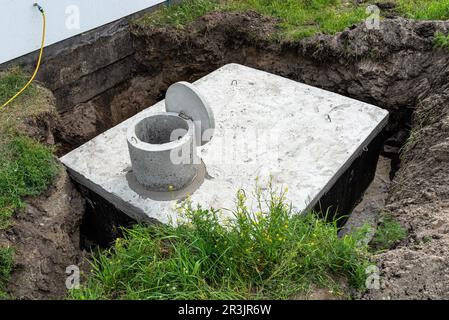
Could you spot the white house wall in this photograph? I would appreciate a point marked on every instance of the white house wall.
(21, 22)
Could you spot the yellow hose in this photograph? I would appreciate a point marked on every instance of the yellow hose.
(38, 61)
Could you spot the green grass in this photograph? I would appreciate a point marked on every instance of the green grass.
(388, 233)
(11, 82)
(181, 14)
(26, 169)
(304, 18)
(424, 9)
(6, 263)
(441, 41)
(34, 101)
(412, 140)
(299, 18)
(271, 253)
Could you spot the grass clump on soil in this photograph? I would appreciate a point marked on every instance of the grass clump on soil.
(34, 101)
(27, 167)
(388, 233)
(441, 41)
(298, 18)
(11, 82)
(6, 262)
(271, 253)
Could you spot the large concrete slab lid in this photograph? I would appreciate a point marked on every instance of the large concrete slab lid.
(184, 98)
(320, 135)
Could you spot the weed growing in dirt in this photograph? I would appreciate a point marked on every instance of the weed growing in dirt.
(411, 142)
(271, 253)
(34, 101)
(26, 169)
(388, 233)
(6, 263)
(441, 41)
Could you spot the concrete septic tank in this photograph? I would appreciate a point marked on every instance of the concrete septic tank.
(323, 146)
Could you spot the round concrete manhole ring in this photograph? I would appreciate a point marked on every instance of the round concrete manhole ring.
(162, 150)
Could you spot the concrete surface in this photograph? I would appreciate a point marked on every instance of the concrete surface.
(267, 126)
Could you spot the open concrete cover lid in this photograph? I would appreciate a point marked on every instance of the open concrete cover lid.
(184, 98)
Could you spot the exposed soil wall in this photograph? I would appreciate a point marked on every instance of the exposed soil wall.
(45, 234)
(45, 238)
(419, 198)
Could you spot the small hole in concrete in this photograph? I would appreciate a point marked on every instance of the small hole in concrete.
(160, 129)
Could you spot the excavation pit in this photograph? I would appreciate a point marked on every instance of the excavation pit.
(323, 146)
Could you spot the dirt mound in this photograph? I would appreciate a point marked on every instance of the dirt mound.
(33, 114)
